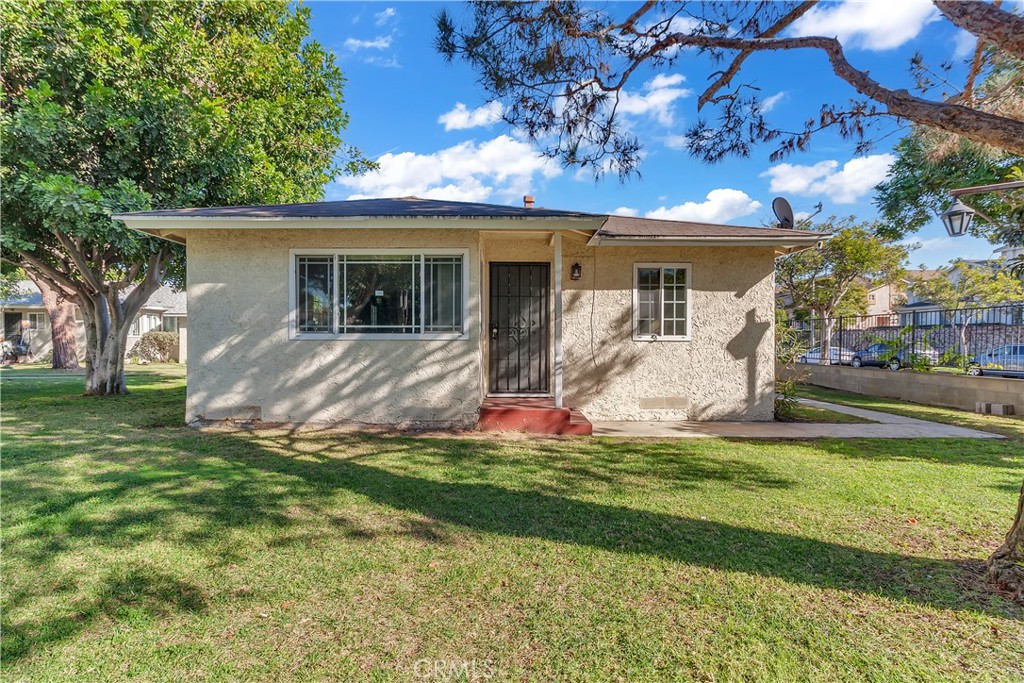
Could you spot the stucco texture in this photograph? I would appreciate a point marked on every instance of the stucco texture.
(244, 366)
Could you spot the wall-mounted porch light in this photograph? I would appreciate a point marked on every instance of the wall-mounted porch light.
(576, 272)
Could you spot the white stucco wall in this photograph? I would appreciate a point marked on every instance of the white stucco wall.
(726, 370)
(244, 366)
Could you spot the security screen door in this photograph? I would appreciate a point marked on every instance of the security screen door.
(518, 329)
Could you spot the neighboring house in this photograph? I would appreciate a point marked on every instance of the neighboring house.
(26, 321)
(924, 312)
(415, 311)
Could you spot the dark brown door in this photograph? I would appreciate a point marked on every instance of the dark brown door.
(518, 328)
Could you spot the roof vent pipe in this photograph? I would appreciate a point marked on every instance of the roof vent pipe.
(528, 201)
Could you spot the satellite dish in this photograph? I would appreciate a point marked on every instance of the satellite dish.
(783, 211)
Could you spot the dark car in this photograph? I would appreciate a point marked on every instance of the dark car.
(1002, 361)
(884, 356)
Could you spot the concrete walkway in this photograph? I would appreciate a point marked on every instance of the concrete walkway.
(889, 427)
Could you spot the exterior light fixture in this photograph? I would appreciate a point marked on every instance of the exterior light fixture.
(576, 272)
(957, 218)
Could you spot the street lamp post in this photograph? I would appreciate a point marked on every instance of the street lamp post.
(957, 218)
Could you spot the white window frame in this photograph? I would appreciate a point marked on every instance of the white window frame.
(293, 296)
(41, 326)
(688, 267)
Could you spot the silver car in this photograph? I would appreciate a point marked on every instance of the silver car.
(837, 356)
(1002, 361)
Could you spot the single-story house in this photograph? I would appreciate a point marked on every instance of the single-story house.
(422, 312)
(26, 321)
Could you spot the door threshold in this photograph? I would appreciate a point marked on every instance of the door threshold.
(524, 395)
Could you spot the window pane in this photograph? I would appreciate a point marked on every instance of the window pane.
(675, 302)
(443, 296)
(381, 294)
(316, 290)
(648, 301)
(170, 324)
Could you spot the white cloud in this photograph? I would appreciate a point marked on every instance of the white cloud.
(963, 44)
(384, 16)
(626, 211)
(719, 206)
(378, 43)
(868, 24)
(657, 99)
(461, 117)
(678, 142)
(501, 167)
(856, 178)
(768, 103)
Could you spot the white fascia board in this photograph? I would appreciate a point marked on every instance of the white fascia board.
(805, 243)
(151, 224)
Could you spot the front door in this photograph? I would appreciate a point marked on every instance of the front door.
(519, 328)
(12, 327)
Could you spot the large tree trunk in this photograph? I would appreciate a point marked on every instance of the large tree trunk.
(62, 325)
(1006, 565)
(106, 337)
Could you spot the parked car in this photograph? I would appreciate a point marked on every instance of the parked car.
(837, 356)
(1002, 361)
(884, 356)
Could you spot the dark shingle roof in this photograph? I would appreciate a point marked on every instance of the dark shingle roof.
(627, 227)
(27, 296)
(164, 299)
(400, 207)
(612, 227)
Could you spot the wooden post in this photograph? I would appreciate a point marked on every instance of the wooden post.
(558, 319)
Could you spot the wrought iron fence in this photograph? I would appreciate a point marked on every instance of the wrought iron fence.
(965, 339)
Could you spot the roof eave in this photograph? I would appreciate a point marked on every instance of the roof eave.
(783, 245)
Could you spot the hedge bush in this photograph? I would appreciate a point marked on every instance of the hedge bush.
(155, 347)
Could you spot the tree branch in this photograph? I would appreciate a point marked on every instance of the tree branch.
(979, 126)
(770, 32)
(78, 258)
(988, 22)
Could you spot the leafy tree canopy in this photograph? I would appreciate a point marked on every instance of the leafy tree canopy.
(831, 281)
(121, 106)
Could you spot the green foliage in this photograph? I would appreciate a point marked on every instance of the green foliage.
(830, 281)
(115, 106)
(119, 106)
(788, 348)
(917, 189)
(155, 347)
(964, 285)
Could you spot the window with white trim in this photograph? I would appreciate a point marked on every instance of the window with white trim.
(143, 324)
(38, 321)
(661, 301)
(399, 293)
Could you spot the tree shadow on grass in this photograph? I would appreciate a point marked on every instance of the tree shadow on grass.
(529, 514)
(132, 592)
(290, 483)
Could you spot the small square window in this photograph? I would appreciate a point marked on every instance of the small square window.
(661, 302)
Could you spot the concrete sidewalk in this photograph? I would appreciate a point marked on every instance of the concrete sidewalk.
(888, 426)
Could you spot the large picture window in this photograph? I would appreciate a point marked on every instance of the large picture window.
(398, 294)
(661, 302)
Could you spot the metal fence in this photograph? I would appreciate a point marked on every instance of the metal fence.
(990, 336)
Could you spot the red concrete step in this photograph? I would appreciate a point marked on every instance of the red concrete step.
(578, 424)
(531, 415)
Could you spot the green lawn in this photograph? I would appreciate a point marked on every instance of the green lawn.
(1011, 427)
(135, 548)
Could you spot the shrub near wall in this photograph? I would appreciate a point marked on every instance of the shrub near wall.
(155, 347)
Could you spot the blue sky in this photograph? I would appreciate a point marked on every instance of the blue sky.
(435, 135)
